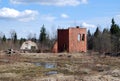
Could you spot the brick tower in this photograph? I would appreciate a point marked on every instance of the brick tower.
(72, 40)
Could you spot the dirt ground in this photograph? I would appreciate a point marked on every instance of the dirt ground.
(59, 67)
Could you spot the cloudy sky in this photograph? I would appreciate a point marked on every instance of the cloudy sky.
(28, 16)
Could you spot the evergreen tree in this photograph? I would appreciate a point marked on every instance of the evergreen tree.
(114, 28)
(89, 34)
(113, 22)
(97, 32)
(43, 35)
(89, 41)
(15, 38)
(4, 38)
(115, 36)
(97, 40)
(105, 30)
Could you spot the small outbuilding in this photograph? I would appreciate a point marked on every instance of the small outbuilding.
(29, 46)
(73, 39)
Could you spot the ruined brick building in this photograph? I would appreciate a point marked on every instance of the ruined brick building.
(71, 40)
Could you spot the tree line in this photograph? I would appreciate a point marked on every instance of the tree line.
(44, 41)
(107, 40)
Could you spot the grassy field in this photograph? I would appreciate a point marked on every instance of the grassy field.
(59, 67)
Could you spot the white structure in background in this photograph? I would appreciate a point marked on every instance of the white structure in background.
(29, 45)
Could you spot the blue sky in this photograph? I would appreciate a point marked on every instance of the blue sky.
(28, 16)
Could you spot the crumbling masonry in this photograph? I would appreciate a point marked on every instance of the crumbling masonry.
(71, 40)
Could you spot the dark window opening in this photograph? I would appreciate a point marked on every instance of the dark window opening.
(83, 37)
(33, 47)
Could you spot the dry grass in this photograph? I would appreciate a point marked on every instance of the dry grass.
(20, 67)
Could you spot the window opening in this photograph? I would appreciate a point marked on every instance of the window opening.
(79, 37)
(83, 37)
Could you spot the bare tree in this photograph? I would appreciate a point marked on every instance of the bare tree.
(13, 38)
(1, 36)
(97, 40)
(106, 41)
(32, 37)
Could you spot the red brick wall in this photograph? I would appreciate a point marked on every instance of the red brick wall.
(68, 40)
(74, 44)
(63, 41)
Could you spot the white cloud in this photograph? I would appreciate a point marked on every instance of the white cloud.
(117, 17)
(48, 18)
(51, 2)
(64, 16)
(9, 13)
(84, 1)
(84, 24)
